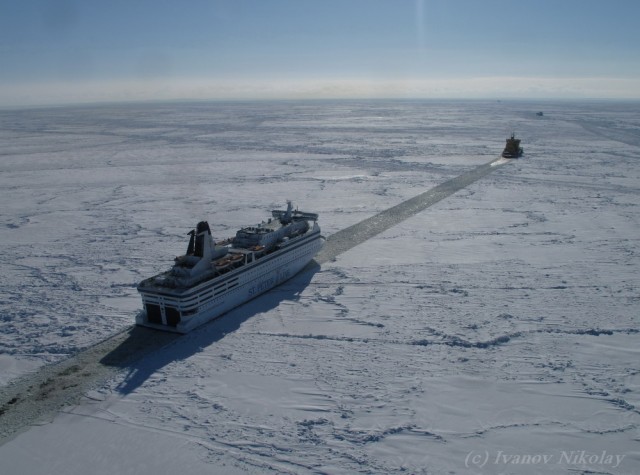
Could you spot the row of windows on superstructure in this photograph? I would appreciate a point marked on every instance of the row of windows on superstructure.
(253, 274)
(172, 313)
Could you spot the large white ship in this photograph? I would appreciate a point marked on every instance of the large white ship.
(214, 277)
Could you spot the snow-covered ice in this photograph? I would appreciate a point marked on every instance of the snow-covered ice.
(495, 332)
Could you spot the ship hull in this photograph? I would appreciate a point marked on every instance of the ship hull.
(183, 310)
(507, 154)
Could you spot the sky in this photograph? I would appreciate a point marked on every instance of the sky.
(76, 51)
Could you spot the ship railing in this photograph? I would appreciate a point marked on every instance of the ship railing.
(295, 215)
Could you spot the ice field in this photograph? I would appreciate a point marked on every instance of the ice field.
(494, 332)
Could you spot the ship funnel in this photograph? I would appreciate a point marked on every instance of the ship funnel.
(192, 243)
(202, 227)
(203, 238)
(286, 218)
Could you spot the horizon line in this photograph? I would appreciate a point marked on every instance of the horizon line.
(186, 100)
(69, 93)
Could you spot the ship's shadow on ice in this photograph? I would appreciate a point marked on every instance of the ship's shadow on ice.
(145, 350)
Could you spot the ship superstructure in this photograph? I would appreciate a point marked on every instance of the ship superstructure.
(512, 149)
(214, 277)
